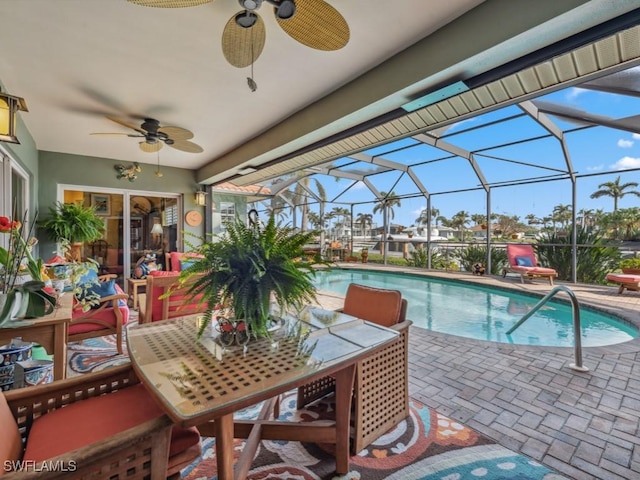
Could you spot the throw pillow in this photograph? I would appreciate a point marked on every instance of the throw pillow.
(524, 262)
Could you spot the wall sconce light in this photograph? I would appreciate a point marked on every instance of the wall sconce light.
(201, 198)
(9, 106)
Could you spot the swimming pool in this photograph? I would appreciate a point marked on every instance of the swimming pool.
(476, 311)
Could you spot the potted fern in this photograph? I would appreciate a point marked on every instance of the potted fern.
(248, 267)
(73, 223)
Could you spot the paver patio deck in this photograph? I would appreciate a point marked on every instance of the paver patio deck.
(584, 425)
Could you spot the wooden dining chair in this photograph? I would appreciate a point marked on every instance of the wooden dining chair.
(166, 298)
(381, 389)
(102, 425)
(108, 317)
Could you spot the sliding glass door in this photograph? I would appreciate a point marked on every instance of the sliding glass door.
(137, 224)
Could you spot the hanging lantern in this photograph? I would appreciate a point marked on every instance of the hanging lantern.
(9, 106)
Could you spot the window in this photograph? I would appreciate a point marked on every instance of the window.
(227, 212)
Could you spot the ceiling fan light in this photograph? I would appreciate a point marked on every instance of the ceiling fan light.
(285, 9)
(246, 19)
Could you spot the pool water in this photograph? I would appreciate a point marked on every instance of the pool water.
(484, 313)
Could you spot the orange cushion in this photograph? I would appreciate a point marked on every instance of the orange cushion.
(376, 305)
(534, 270)
(105, 315)
(11, 444)
(89, 421)
(623, 278)
(176, 259)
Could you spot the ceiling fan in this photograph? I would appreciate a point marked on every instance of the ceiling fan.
(313, 23)
(155, 136)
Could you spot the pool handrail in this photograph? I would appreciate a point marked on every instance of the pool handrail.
(575, 307)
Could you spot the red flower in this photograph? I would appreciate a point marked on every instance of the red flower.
(6, 225)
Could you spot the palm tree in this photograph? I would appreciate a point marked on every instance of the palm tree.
(478, 219)
(385, 205)
(532, 219)
(459, 220)
(616, 191)
(585, 216)
(364, 220)
(562, 214)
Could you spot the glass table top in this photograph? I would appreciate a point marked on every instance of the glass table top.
(195, 377)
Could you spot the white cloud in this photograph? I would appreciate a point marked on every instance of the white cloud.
(419, 211)
(625, 163)
(622, 143)
(574, 92)
(596, 168)
(457, 125)
(358, 186)
(636, 136)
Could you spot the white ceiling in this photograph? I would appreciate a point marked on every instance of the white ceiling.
(75, 61)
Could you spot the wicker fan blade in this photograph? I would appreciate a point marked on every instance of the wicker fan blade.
(118, 134)
(150, 147)
(176, 133)
(242, 46)
(169, 3)
(186, 146)
(318, 25)
(127, 124)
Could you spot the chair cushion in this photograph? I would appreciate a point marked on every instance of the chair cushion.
(524, 262)
(179, 260)
(105, 315)
(376, 305)
(89, 421)
(623, 278)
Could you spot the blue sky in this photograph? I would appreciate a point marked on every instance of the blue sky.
(593, 150)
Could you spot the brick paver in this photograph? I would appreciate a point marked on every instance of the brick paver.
(584, 425)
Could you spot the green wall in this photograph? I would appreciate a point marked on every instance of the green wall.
(60, 168)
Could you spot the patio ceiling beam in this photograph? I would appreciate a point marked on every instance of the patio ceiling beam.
(380, 161)
(461, 152)
(534, 112)
(279, 187)
(414, 177)
(545, 122)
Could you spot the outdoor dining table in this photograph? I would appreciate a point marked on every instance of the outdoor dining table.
(201, 383)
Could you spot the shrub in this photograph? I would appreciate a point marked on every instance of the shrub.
(478, 254)
(419, 257)
(593, 262)
(633, 262)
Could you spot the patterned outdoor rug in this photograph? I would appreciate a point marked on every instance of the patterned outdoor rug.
(426, 446)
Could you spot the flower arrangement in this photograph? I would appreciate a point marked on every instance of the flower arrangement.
(21, 299)
(17, 259)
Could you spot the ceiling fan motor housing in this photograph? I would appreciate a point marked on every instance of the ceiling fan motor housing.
(250, 4)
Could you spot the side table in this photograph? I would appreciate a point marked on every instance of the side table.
(49, 331)
(133, 284)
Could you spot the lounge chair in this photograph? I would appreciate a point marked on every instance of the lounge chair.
(523, 261)
(625, 281)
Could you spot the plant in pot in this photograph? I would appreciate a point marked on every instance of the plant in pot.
(247, 267)
(74, 223)
(630, 265)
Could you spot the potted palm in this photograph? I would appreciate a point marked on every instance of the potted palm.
(73, 223)
(248, 267)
